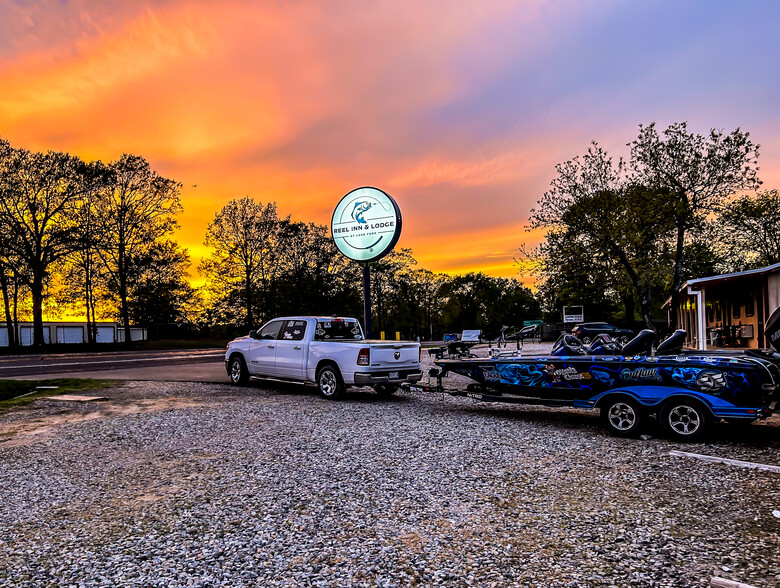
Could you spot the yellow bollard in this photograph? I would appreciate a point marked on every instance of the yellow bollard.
(398, 335)
(382, 335)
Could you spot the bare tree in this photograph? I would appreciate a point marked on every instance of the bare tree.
(137, 208)
(83, 270)
(38, 193)
(6, 264)
(243, 237)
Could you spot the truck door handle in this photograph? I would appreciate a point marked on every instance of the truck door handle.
(270, 347)
(296, 346)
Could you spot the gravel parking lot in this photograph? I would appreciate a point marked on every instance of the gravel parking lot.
(176, 484)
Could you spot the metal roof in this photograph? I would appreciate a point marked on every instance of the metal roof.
(726, 277)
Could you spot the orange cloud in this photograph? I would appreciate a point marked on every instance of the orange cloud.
(458, 109)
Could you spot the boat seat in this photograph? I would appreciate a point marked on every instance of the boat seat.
(673, 344)
(568, 345)
(642, 343)
(603, 344)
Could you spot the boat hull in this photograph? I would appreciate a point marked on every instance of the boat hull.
(731, 386)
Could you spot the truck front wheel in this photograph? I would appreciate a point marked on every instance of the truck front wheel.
(330, 383)
(239, 375)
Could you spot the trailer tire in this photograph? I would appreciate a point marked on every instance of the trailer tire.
(330, 382)
(622, 416)
(684, 419)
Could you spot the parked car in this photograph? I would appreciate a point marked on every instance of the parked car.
(330, 352)
(585, 332)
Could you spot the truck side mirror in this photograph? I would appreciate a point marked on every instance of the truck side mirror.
(253, 334)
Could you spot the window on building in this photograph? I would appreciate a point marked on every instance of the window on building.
(736, 310)
(750, 307)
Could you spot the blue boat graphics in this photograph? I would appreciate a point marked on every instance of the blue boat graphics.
(729, 386)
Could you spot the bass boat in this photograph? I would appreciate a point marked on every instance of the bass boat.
(688, 390)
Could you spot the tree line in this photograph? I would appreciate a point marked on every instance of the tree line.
(94, 239)
(262, 265)
(623, 236)
(88, 235)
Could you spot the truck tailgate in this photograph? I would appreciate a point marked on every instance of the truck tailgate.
(394, 354)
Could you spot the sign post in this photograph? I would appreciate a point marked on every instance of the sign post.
(367, 299)
(365, 227)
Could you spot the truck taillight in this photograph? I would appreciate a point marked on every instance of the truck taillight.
(419, 355)
(364, 356)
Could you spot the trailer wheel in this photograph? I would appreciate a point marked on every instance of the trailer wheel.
(386, 390)
(684, 420)
(330, 382)
(622, 417)
(239, 375)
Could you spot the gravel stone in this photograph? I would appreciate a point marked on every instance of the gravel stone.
(191, 484)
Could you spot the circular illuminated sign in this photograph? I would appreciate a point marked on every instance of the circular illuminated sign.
(366, 224)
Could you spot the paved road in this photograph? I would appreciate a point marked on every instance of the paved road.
(187, 365)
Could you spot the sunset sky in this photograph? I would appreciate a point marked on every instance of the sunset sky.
(458, 109)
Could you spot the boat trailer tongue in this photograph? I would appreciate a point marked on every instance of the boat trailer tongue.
(439, 374)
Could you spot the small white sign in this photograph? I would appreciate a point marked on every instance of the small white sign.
(573, 314)
(366, 224)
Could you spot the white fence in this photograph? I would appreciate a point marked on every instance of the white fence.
(71, 333)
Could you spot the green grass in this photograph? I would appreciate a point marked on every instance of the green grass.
(11, 390)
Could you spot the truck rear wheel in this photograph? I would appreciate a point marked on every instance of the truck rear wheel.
(330, 382)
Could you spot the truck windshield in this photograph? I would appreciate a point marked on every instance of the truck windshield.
(337, 329)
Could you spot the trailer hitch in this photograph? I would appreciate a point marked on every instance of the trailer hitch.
(437, 373)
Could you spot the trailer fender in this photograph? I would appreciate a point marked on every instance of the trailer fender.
(654, 396)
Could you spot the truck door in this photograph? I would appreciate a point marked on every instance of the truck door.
(262, 352)
(290, 350)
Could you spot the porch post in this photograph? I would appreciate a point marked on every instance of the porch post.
(701, 319)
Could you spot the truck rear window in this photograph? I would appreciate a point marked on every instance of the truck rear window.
(337, 329)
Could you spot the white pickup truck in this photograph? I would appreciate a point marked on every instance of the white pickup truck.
(327, 351)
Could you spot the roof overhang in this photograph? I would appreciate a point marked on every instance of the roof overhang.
(700, 283)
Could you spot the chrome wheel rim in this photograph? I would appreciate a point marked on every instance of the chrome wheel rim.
(328, 383)
(622, 416)
(684, 420)
(235, 370)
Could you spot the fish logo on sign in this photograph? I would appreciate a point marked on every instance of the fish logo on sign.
(360, 208)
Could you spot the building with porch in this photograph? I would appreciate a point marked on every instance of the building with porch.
(729, 310)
